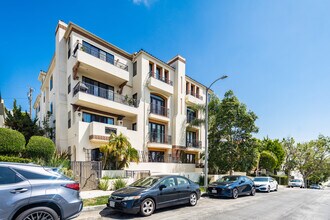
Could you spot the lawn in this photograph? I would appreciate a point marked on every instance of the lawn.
(102, 200)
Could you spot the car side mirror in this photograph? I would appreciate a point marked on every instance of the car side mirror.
(161, 187)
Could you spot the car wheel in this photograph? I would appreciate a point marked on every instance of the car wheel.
(276, 188)
(235, 193)
(193, 199)
(147, 207)
(268, 190)
(253, 191)
(38, 213)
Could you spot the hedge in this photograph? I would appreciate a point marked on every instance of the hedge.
(11, 142)
(40, 148)
(14, 159)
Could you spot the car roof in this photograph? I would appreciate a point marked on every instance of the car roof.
(168, 175)
(20, 164)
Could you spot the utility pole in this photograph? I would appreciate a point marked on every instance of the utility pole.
(29, 94)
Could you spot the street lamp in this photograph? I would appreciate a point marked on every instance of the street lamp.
(206, 171)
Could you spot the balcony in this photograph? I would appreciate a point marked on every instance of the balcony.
(95, 61)
(159, 140)
(160, 84)
(95, 97)
(190, 118)
(195, 144)
(193, 98)
(158, 112)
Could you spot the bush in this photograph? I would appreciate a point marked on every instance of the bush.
(14, 159)
(119, 183)
(201, 180)
(11, 142)
(104, 184)
(40, 148)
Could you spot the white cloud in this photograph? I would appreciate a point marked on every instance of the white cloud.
(146, 3)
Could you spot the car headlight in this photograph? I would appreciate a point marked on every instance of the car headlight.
(131, 198)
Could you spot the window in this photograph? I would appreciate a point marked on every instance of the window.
(69, 84)
(51, 108)
(96, 155)
(7, 176)
(135, 103)
(134, 69)
(158, 73)
(108, 130)
(168, 182)
(156, 156)
(151, 67)
(88, 117)
(182, 181)
(98, 89)
(34, 176)
(96, 52)
(69, 119)
(157, 105)
(191, 138)
(69, 47)
(189, 158)
(191, 115)
(51, 83)
(134, 128)
(157, 133)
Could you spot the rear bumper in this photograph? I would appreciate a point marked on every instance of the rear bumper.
(75, 209)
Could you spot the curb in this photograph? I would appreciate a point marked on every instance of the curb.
(94, 208)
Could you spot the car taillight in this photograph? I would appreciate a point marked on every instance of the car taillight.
(74, 186)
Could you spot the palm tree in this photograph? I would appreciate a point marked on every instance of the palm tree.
(118, 151)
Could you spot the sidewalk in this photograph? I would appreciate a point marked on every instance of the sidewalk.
(94, 193)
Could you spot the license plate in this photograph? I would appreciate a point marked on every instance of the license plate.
(214, 191)
(112, 204)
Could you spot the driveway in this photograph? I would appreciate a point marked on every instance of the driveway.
(285, 204)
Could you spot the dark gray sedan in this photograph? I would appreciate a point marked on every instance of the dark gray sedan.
(29, 192)
(154, 192)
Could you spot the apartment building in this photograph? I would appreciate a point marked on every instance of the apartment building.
(93, 88)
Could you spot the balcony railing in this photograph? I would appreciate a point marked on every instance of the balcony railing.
(163, 79)
(104, 93)
(193, 93)
(190, 118)
(162, 138)
(159, 110)
(194, 143)
(99, 54)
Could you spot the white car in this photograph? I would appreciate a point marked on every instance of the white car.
(296, 183)
(265, 184)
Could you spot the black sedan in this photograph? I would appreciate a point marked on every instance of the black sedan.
(232, 186)
(154, 192)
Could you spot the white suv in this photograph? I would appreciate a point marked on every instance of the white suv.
(296, 183)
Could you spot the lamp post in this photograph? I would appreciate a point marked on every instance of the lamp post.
(206, 171)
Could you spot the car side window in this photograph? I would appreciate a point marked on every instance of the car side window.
(8, 176)
(168, 182)
(34, 176)
(182, 181)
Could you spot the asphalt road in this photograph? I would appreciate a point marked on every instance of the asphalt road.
(285, 204)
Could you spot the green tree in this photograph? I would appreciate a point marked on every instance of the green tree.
(290, 159)
(230, 120)
(118, 151)
(40, 148)
(48, 130)
(22, 122)
(313, 156)
(267, 160)
(12, 143)
(276, 148)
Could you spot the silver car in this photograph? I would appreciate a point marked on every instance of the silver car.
(29, 192)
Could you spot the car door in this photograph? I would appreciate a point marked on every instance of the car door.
(241, 185)
(15, 192)
(183, 189)
(167, 196)
(247, 185)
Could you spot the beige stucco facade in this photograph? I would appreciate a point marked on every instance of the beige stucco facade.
(93, 88)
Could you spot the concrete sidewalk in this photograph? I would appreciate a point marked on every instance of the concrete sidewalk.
(94, 193)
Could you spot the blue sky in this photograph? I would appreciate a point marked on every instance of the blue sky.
(276, 53)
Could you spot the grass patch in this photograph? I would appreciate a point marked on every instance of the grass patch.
(102, 200)
(202, 188)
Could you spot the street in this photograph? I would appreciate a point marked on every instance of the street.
(284, 204)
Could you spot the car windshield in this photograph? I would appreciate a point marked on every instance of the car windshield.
(146, 182)
(228, 179)
(295, 180)
(260, 179)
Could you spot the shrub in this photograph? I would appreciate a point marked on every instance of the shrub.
(40, 148)
(201, 180)
(14, 159)
(119, 183)
(11, 142)
(104, 184)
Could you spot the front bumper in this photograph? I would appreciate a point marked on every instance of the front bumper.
(220, 192)
(262, 188)
(130, 206)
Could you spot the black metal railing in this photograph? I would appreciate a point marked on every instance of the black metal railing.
(190, 118)
(193, 93)
(194, 143)
(104, 93)
(162, 138)
(159, 110)
(159, 77)
(99, 54)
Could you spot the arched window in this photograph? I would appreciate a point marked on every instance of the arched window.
(157, 105)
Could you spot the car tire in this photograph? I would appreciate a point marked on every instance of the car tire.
(276, 188)
(235, 193)
(193, 199)
(268, 190)
(253, 191)
(42, 212)
(147, 207)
